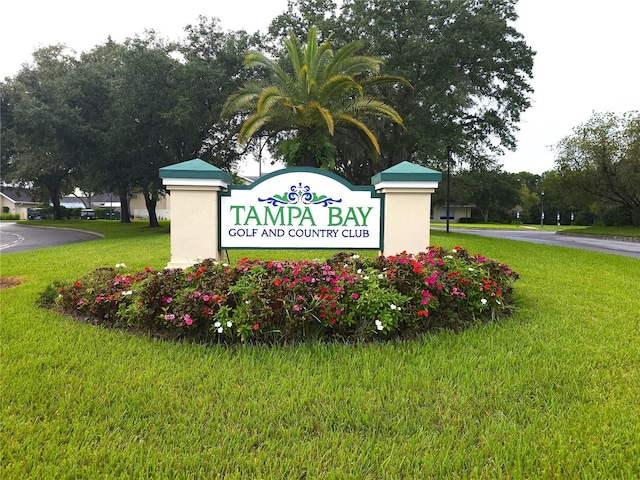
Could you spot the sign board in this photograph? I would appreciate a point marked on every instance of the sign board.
(301, 208)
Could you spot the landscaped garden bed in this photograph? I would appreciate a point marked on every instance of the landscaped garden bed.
(347, 298)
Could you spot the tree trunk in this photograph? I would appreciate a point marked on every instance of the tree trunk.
(308, 160)
(151, 201)
(125, 214)
(55, 200)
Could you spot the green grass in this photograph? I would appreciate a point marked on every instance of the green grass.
(629, 232)
(550, 393)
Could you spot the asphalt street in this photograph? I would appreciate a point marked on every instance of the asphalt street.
(22, 238)
(550, 237)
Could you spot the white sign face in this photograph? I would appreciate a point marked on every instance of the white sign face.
(301, 208)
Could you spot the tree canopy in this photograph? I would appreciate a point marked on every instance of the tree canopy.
(317, 92)
(599, 163)
(469, 67)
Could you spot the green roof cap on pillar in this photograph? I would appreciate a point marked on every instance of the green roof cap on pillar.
(195, 168)
(407, 172)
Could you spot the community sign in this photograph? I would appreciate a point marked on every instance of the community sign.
(301, 208)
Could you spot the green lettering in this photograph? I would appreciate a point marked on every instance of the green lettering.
(364, 215)
(351, 215)
(237, 210)
(335, 216)
(293, 210)
(306, 215)
(269, 218)
(252, 215)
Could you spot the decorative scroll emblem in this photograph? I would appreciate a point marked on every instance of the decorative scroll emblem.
(299, 194)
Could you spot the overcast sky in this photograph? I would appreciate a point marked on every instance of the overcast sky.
(587, 51)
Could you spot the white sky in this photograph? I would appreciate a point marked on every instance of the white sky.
(587, 51)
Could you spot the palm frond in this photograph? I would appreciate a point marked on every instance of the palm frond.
(239, 101)
(296, 56)
(372, 107)
(325, 114)
(360, 127)
(339, 57)
(269, 97)
(251, 125)
(385, 79)
(338, 85)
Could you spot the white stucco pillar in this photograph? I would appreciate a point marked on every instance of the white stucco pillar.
(195, 188)
(407, 190)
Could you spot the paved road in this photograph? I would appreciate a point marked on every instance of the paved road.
(21, 238)
(549, 237)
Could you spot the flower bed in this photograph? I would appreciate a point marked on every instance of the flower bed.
(348, 297)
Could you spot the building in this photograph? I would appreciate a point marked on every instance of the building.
(456, 213)
(138, 207)
(16, 200)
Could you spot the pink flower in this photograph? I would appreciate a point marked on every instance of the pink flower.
(167, 299)
(170, 316)
(296, 308)
(196, 294)
(355, 296)
(206, 298)
(187, 320)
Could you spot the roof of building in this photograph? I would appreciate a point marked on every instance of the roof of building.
(18, 195)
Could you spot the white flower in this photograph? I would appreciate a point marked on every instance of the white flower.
(381, 275)
(379, 325)
(128, 292)
(470, 269)
(217, 324)
(120, 265)
(229, 324)
(359, 271)
(219, 329)
(366, 277)
(247, 302)
(484, 301)
(225, 264)
(392, 306)
(355, 256)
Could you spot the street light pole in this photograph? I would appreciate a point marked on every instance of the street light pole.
(448, 183)
(542, 209)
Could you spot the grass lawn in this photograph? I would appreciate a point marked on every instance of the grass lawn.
(552, 392)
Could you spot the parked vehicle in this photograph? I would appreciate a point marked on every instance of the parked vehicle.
(87, 214)
(37, 214)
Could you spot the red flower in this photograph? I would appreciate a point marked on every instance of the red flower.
(277, 282)
(78, 284)
(256, 326)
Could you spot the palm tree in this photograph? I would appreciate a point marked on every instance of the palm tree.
(321, 92)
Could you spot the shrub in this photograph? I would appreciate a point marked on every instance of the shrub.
(347, 298)
(9, 216)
